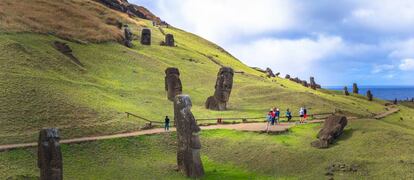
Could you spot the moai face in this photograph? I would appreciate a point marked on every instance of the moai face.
(169, 40)
(224, 84)
(49, 155)
(173, 84)
(146, 37)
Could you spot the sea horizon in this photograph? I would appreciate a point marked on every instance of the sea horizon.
(385, 92)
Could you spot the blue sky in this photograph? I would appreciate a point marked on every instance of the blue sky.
(339, 42)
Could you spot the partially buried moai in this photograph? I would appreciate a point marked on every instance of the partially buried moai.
(189, 145)
(224, 85)
(169, 40)
(128, 36)
(49, 155)
(146, 37)
(173, 84)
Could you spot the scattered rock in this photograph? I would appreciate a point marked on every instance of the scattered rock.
(224, 85)
(169, 40)
(333, 127)
(146, 37)
(340, 167)
(49, 159)
(189, 145)
(173, 84)
(67, 51)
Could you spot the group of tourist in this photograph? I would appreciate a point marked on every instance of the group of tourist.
(273, 117)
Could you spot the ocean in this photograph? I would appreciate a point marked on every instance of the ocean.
(382, 92)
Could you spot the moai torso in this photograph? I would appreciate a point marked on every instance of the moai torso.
(173, 84)
(189, 145)
(50, 155)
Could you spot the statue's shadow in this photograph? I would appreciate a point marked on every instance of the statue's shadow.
(346, 135)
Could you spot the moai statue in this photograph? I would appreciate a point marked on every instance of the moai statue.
(312, 83)
(355, 88)
(287, 76)
(395, 101)
(173, 84)
(49, 158)
(305, 83)
(369, 95)
(128, 36)
(146, 37)
(189, 145)
(169, 40)
(223, 87)
(270, 73)
(333, 127)
(346, 92)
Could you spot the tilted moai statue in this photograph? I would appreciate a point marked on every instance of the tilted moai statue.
(128, 36)
(146, 37)
(346, 92)
(369, 95)
(333, 127)
(269, 73)
(49, 158)
(312, 83)
(189, 145)
(169, 40)
(173, 84)
(223, 87)
(287, 76)
(355, 88)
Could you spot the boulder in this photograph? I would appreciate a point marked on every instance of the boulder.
(224, 85)
(173, 84)
(189, 145)
(146, 37)
(355, 88)
(49, 155)
(333, 127)
(169, 40)
(369, 95)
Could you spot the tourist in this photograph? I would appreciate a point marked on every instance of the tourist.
(167, 123)
(288, 115)
(273, 115)
(277, 116)
(305, 114)
(269, 119)
(302, 114)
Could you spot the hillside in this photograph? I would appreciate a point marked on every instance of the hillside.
(43, 88)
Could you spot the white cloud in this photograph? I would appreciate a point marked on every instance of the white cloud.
(294, 57)
(407, 65)
(382, 68)
(223, 20)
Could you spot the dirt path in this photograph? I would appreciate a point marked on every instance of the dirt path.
(250, 127)
(387, 113)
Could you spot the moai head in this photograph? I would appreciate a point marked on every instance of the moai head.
(312, 83)
(169, 40)
(287, 76)
(173, 84)
(224, 84)
(146, 37)
(49, 155)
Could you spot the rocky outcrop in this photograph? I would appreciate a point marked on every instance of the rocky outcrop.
(333, 127)
(189, 145)
(173, 84)
(146, 37)
(224, 85)
(132, 10)
(67, 51)
(49, 155)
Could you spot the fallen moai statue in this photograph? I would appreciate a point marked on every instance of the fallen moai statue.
(67, 51)
(189, 145)
(333, 127)
(49, 159)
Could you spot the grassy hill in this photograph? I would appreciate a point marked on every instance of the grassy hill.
(40, 87)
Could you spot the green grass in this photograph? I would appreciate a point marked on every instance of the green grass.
(382, 150)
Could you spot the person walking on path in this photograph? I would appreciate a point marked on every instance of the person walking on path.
(305, 114)
(167, 123)
(302, 114)
(273, 116)
(277, 116)
(269, 119)
(288, 115)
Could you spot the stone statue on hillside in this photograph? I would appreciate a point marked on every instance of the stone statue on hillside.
(369, 95)
(173, 84)
(224, 85)
(270, 73)
(333, 127)
(305, 83)
(49, 158)
(67, 51)
(346, 92)
(146, 37)
(128, 36)
(313, 83)
(395, 101)
(169, 40)
(287, 76)
(189, 145)
(355, 88)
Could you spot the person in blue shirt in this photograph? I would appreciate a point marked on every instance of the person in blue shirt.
(288, 115)
(167, 123)
(277, 115)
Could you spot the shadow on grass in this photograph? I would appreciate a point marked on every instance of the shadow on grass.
(346, 135)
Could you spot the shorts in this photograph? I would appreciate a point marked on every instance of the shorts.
(301, 115)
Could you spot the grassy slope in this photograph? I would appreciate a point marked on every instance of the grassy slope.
(43, 88)
(382, 150)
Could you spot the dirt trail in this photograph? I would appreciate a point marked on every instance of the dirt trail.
(251, 127)
(387, 113)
